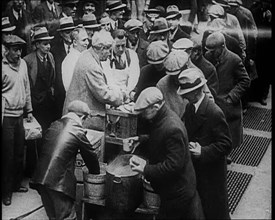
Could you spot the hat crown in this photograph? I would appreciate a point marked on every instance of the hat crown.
(5, 20)
(113, 5)
(13, 40)
(172, 8)
(132, 23)
(183, 43)
(216, 10)
(147, 97)
(175, 62)
(79, 107)
(66, 23)
(6, 25)
(214, 40)
(160, 24)
(157, 51)
(89, 17)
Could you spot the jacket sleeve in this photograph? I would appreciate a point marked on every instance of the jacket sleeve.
(88, 155)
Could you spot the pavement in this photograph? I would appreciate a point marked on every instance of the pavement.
(254, 204)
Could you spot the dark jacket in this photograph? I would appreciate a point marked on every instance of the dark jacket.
(149, 76)
(141, 52)
(170, 169)
(42, 14)
(209, 128)
(59, 54)
(210, 74)
(179, 34)
(56, 165)
(233, 82)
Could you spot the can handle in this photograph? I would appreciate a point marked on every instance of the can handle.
(117, 179)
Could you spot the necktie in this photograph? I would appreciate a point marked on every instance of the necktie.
(120, 64)
(53, 11)
(45, 62)
(192, 110)
(68, 51)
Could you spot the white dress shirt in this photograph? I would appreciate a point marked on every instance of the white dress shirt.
(67, 67)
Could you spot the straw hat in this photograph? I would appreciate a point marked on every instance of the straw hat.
(114, 5)
(41, 33)
(160, 25)
(66, 23)
(89, 21)
(6, 25)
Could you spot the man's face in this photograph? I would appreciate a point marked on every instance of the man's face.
(173, 23)
(43, 46)
(104, 52)
(14, 54)
(133, 36)
(88, 8)
(66, 36)
(69, 10)
(149, 23)
(195, 53)
(150, 112)
(81, 42)
(191, 96)
(119, 46)
(118, 14)
(106, 26)
(215, 53)
(18, 5)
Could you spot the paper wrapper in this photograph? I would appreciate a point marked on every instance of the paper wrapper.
(33, 129)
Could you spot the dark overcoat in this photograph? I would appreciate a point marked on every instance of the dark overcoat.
(209, 128)
(141, 52)
(233, 82)
(56, 165)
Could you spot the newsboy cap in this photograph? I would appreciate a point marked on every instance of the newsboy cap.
(214, 40)
(216, 11)
(12, 40)
(79, 107)
(175, 62)
(148, 97)
(133, 24)
(182, 44)
(157, 51)
(190, 79)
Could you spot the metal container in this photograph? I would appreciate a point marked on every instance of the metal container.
(94, 184)
(123, 186)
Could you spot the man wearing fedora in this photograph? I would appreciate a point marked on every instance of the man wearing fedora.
(47, 13)
(150, 74)
(41, 70)
(173, 18)
(17, 96)
(7, 30)
(160, 31)
(116, 11)
(60, 47)
(90, 24)
(149, 18)
(79, 44)
(209, 144)
(135, 42)
(169, 168)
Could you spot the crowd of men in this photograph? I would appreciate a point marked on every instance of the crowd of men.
(191, 67)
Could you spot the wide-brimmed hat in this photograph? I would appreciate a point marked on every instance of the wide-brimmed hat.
(183, 44)
(172, 11)
(133, 24)
(89, 21)
(12, 40)
(157, 51)
(175, 62)
(160, 25)
(114, 5)
(214, 40)
(66, 23)
(148, 97)
(216, 11)
(190, 79)
(41, 33)
(6, 25)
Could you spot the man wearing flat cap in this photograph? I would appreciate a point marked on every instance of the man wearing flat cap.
(233, 82)
(7, 30)
(150, 74)
(173, 18)
(169, 168)
(54, 176)
(209, 144)
(17, 96)
(133, 28)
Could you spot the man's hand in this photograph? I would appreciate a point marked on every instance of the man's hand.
(130, 144)
(195, 148)
(137, 164)
(29, 117)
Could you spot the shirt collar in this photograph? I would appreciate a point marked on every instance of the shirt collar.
(41, 58)
(198, 103)
(50, 6)
(16, 14)
(5, 61)
(74, 117)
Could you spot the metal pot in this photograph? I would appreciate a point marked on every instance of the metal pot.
(123, 186)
